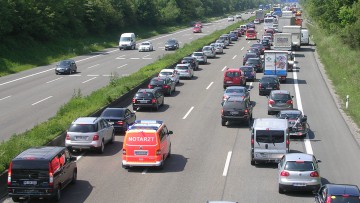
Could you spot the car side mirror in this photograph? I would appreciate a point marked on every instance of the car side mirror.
(292, 96)
(318, 161)
(170, 132)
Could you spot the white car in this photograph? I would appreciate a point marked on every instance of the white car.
(237, 16)
(209, 51)
(219, 48)
(231, 18)
(200, 57)
(256, 21)
(222, 42)
(172, 73)
(185, 70)
(146, 46)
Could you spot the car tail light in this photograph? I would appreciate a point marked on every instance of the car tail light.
(222, 111)
(289, 102)
(287, 143)
(67, 136)
(314, 174)
(166, 86)
(51, 175)
(133, 101)
(271, 102)
(95, 137)
(150, 86)
(158, 152)
(120, 122)
(153, 100)
(328, 199)
(260, 85)
(284, 173)
(124, 151)
(188, 71)
(246, 111)
(9, 174)
(252, 142)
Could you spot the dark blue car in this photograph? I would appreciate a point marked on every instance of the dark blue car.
(233, 36)
(249, 73)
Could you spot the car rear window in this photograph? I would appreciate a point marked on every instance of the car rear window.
(182, 67)
(30, 164)
(246, 69)
(232, 74)
(280, 97)
(251, 31)
(82, 128)
(253, 61)
(269, 80)
(157, 82)
(207, 48)
(144, 95)
(64, 63)
(113, 113)
(197, 54)
(166, 73)
(141, 138)
(235, 90)
(234, 104)
(289, 115)
(270, 136)
(344, 199)
(299, 166)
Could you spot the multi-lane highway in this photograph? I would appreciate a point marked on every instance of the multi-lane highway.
(209, 161)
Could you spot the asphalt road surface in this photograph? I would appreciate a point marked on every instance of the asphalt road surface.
(212, 162)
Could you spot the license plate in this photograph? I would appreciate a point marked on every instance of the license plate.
(261, 155)
(269, 88)
(140, 152)
(299, 184)
(29, 182)
(234, 112)
(143, 101)
(80, 138)
(228, 81)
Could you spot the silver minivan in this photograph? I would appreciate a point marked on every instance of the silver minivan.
(269, 140)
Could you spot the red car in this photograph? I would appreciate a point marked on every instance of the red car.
(234, 77)
(197, 29)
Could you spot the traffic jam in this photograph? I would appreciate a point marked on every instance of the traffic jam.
(147, 144)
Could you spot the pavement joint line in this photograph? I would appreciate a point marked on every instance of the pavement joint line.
(5, 97)
(1, 84)
(234, 57)
(88, 80)
(41, 100)
(227, 163)
(119, 58)
(88, 58)
(94, 66)
(122, 66)
(209, 85)
(54, 80)
(224, 68)
(186, 115)
(144, 171)
(307, 142)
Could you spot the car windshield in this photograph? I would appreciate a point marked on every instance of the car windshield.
(299, 166)
(113, 113)
(246, 69)
(234, 104)
(170, 42)
(157, 82)
(64, 63)
(198, 54)
(280, 97)
(269, 80)
(232, 74)
(82, 128)
(165, 73)
(145, 95)
(270, 136)
(250, 31)
(238, 90)
(207, 48)
(253, 61)
(125, 39)
(289, 115)
(145, 43)
(182, 67)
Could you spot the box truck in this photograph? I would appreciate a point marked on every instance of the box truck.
(295, 31)
(282, 41)
(276, 63)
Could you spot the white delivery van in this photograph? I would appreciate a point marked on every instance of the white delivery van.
(305, 36)
(269, 140)
(127, 41)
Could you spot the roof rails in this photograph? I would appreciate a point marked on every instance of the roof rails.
(146, 125)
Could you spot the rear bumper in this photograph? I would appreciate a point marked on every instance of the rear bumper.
(291, 187)
(130, 164)
(235, 118)
(86, 146)
(31, 192)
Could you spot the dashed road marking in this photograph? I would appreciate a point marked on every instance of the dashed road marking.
(41, 100)
(89, 80)
(209, 85)
(186, 115)
(54, 80)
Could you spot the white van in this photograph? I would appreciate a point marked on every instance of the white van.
(305, 36)
(127, 41)
(269, 140)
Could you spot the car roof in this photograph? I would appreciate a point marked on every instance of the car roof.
(146, 125)
(183, 64)
(255, 58)
(85, 120)
(198, 52)
(280, 92)
(158, 78)
(146, 42)
(246, 67)
(290, 111)
(269, 76)
(45, 153)
(167, 70)
(340, 189)
(236, 98)
(298, 157)
(207, 46)
(145, 90)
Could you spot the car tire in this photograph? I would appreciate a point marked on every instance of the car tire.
(269, 112)
(134, 108)
(156, 107)
(223, 122)
(112, 137)
(57, 195)
(281, 191)
(169, 154)
(124, 167)
(252, 162)
(15, 199)
(74, 177)
(101, 148)
(162, 103)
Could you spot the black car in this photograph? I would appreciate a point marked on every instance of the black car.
(171, 44)
(164, 83)
(268, 83)
(148, 98)
(298, 126)
(266, 43)
(66, 67)
(120, 118)
(256, 62)
(41, 172)
(254, 50)
(192, 60)
(259, 46)
(236, 109)
(338, 193)
(249, 55)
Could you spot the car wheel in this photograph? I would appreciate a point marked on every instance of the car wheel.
(15, 199)
(74, 177)
(57, 196)
(269, 112)
(156, 107)
(252, 162)
(112, 137)
(124, 167)
(101, 148)
(223, 122)
(162, 103)
(281, 191)
(162, 164)
(169, 154)
(134, 108)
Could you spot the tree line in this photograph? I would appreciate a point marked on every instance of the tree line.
(49, 19)
(337, 16)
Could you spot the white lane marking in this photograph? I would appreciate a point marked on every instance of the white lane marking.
(26, 76)
(80, 156)
(227, 163)
(146, 56)
(144, 171)
(234, 57)
(74, 75)
(107, 75)
(5, 98)
(242, 48)
(209, 85)
(186, 115)
(120, 58)
(94, 66)
(307, 142)
(125, 74)
(122, 66)
(111, 51)
(134, 58)
(224, 68)
(88, 80)
(191, 38)
(250, 85)
(248, 42)
(53, 80)
(41, 100)
(88, 58)
(92, 75)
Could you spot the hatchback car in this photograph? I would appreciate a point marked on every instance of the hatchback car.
(209, 51)
(256, 63)
(268, 83)
(197, 30)
(200, 57)
(236, 109)
(249, 55)
(89, 133)
(120, 118)
(257, 21)
(219, 48)
(236, 91)
(165, 84)
(185, 70)
(234, 77)
(259, 46)
(266, 43)
(226, 39)
(148, 98)
(254, 50)
(66, 67)
(249, 73)
(172, 73)
(231, 18)
(192, 60)
(299, 172)
(171, 44)
(222, 42)
(279, 100)
(234, 35)
(338, 193)
(146, 46)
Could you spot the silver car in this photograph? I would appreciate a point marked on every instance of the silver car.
(219, 48)
(200, 57)
(173, 74)
(185, 70)
(89, 133)
(299, 172)
(222, 42)
(279, 100)
(209, 51)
